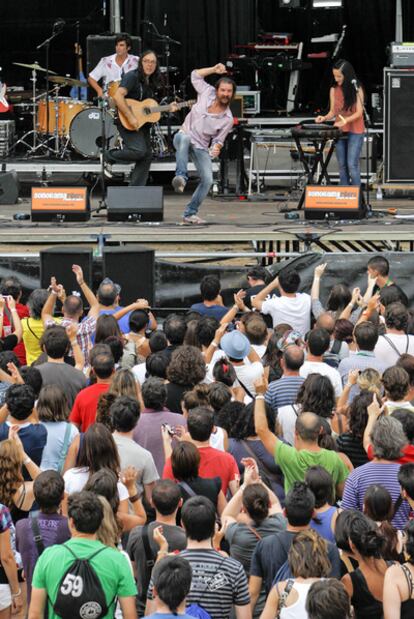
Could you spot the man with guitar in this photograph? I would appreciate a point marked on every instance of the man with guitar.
(139, 85)
(202, 135)
(113, 68)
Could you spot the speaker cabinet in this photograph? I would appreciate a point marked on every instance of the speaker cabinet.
(398, 126)
(98, 46)
(60, 204)
(333, 202)
(135, 203)
(57, 262)
(133, 268)
(9, 187)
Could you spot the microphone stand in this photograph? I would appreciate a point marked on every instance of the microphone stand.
(103, 104)
(46, 45)
(367, 125)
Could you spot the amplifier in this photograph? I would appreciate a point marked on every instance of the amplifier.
(333, 202)
(401, 55)
(135, 204)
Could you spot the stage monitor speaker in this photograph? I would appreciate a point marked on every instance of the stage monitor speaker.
(398, 126)
(60, 204)
(133, 268)
(9, 187)
(333, 202)
(98, 46)
(135, 203)
(57, 262)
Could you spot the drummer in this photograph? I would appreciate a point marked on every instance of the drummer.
(112, 68)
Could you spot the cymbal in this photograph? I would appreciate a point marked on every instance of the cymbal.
(35, 66)
(67, 81)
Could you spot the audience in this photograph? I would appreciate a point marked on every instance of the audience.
(113, 407)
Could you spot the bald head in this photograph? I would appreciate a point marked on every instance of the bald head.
(293, 358)
(326, 321)
(307, 427)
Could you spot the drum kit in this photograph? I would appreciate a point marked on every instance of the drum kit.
(62, 125)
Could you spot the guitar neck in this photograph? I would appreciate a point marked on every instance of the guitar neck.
(166, 108)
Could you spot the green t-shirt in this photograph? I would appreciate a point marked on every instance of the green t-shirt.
(110, 565)
(295, 463)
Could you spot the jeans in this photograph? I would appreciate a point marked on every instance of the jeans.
(136, 147)
(202, 161)
(348, 151)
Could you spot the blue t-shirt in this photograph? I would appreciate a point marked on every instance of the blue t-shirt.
(122, 322)
(214, 311)
(33, 436)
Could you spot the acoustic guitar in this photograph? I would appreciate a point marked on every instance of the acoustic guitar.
(148, 111)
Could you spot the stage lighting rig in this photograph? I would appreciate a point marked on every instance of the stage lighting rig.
(293, 4)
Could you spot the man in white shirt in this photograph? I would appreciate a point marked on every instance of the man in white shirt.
(317, 345)
(112, 68)
(292, 307)
(396, 341)
(237, 347)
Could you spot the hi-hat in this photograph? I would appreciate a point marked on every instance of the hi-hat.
(66, 81)
(35, 66)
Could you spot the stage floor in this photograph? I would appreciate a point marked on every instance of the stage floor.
(230, 221)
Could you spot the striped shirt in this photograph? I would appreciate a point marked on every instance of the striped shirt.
(364, 476)
(353, 448)
(217, 582)
(284, 391)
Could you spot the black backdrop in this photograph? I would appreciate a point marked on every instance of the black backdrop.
(208, 29)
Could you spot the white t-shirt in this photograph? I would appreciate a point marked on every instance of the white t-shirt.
(217, 439)
(76, 478)
(294, 311)
(317, 367)
(110, 70)
(217, 354)
(385, 352)
(286, 417)
(248, 374)
(139, 372)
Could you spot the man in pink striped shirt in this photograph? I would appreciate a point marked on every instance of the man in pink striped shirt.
(202, 135)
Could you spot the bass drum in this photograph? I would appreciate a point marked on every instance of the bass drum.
(85, 132)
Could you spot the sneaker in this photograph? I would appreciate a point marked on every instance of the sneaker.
(193, 220)
(107, 167)
(178, 183)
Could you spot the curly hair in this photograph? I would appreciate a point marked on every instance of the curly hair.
(187, 366)
(358, 414)
(243, 424)
(226, 416)
(198, 396)
(11, 477)
(308, 556)
(317, 395)
(102, 411)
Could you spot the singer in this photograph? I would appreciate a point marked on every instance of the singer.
(202, 135)
(346, 106)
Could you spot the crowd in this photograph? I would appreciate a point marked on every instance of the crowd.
(249, 461)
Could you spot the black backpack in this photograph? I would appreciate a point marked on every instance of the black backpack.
(80, 593)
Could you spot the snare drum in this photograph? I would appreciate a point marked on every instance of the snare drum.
(86, 132)
(67, 109)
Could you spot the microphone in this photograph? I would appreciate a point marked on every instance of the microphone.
(59, 24)
(355, 84)
(165, 20)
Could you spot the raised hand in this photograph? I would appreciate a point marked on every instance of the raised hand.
(260, 385)
(319, 270)
(219, 68)
(77, 270)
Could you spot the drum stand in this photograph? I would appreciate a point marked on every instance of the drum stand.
(103, 106)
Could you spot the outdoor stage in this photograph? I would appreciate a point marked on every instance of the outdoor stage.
(258, 225)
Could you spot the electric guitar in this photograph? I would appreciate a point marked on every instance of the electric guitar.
(75, 91)
(148, 111)
(4, 104)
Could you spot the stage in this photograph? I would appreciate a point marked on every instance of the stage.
(253, 225)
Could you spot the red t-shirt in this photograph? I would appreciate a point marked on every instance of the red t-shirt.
(19, 350)
(407, 457)
(84, 408)
(213, 463)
